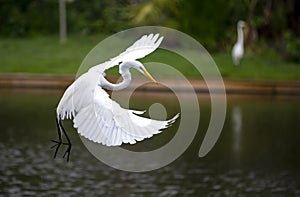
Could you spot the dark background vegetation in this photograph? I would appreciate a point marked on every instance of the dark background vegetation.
(272, 23)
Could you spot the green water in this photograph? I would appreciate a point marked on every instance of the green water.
(257, 153)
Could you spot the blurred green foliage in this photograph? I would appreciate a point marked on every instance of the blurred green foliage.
(292, 46)
(25, 18)
(272, 23)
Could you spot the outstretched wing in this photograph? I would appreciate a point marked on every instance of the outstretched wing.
(105, 121)
(142, 47)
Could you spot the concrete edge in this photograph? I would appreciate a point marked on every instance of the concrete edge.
(60, 82)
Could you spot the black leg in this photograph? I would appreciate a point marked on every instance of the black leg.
(59, 142)
(68, 151)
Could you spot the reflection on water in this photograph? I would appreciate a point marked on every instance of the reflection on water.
(256, 154)
(236, 118)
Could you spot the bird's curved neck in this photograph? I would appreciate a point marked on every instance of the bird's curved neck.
(125, 73)
(118, 86)
(240, 35)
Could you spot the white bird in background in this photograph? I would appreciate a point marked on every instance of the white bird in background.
(238, 48)
(99, 118)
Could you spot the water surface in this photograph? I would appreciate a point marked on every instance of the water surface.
(257, 153)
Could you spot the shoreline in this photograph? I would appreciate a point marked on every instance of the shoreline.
(241, 87)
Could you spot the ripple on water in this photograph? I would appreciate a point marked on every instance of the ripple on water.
(35, 173)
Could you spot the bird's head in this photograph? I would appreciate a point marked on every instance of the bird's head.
(138, 66)
(241, 24)
(244, 27)
(141, 68)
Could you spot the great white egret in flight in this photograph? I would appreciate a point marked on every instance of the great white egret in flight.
(238, 48)
(99, 118)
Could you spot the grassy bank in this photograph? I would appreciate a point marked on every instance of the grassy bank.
(265, 65)
(47, 55)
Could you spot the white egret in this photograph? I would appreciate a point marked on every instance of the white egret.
(238, 48)
(99, 118)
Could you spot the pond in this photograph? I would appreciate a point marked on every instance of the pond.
(257, 153)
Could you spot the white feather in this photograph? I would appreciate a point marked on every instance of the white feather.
(122, 125)
(142, 47)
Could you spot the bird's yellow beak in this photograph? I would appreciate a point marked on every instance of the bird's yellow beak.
(246, 29)
(147, 74)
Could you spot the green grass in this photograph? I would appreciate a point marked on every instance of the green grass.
(266, 65)
(47, 55)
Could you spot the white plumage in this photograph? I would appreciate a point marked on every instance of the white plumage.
(105, 121)
(238, 48)
(99, 118)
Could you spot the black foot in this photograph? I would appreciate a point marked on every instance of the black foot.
(68, 151)
(57, 144)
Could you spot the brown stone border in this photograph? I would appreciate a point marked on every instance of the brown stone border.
(60, 82)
